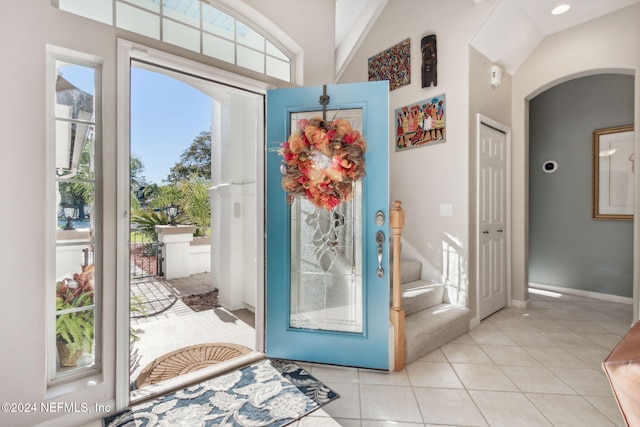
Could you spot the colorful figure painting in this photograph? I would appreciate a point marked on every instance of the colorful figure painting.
(420, 124)
(394, 65)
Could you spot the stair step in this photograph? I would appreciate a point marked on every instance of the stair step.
(420, 295)
(411, 271)
(434, 327)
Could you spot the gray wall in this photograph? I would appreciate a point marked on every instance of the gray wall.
(568, 248)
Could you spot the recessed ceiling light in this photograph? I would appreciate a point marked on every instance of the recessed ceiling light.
(561, 8)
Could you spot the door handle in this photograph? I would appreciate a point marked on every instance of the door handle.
(500, 231)
(485, 232)
(380, 242)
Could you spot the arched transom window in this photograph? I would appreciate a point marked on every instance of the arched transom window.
(191, 24)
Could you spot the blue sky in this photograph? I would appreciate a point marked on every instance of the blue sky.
(166, 116)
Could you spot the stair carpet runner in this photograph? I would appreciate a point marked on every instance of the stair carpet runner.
(430, 321)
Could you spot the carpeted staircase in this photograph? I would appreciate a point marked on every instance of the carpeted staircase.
(430, 320)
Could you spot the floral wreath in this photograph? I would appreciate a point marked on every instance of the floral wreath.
(321, 161)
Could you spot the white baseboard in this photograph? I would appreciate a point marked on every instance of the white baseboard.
(582, 293)
(519, 304)
(475, 321)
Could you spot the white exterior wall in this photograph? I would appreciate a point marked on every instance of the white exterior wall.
(177, 249)
(233, 199)
(199, 257)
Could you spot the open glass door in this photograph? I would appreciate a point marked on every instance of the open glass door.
(327, 273)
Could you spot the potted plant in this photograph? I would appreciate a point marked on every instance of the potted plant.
(75, 316)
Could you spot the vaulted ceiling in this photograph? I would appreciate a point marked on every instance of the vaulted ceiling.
(507, 37)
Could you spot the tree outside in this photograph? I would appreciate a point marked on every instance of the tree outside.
(186, 186)
(194, 161)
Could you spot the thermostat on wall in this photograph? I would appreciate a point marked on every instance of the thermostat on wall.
(549, 166)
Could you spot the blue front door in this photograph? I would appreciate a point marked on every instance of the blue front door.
(327, 270)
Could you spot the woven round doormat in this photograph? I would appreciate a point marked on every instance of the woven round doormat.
(188, 359)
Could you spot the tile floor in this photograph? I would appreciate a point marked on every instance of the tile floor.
(539, 366)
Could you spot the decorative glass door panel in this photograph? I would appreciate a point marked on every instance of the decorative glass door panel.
(326, 257)
(327, 290)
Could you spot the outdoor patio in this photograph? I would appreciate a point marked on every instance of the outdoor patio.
(164, 323)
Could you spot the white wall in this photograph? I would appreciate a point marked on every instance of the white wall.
(25, 29)
(200, 257)
(495, 103)
(309, 23)
(608, 44)
(233, 198)
(424, 178)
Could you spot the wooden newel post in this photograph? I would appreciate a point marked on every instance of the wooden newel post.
(396, 314)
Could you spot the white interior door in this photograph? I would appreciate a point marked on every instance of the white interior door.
(492, 219)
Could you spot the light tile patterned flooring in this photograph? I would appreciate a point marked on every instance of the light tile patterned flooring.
(539, 366)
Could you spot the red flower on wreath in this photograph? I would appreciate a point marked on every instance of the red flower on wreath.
(321, 161)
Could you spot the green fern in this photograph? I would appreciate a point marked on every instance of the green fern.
(76, 329)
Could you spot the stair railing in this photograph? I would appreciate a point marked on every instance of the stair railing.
(396, 314)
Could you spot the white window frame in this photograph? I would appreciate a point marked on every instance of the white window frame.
(129, 51)
(62, 383)
(292, 54)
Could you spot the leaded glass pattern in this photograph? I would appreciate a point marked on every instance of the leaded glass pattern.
(326, 256)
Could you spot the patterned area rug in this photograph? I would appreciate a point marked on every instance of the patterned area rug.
(269, 393)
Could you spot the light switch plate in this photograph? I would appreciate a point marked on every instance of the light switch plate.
(446, 210)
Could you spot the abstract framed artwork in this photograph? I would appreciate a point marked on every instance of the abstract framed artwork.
(420, 124)
(613, 172)
(394, 65)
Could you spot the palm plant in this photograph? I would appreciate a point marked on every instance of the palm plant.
(195, 203)
(145, 221)
(192, 197)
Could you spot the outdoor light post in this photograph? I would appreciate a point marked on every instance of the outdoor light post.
(69, 211)
(172, 211)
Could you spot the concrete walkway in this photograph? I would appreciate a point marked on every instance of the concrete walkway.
(172, 325)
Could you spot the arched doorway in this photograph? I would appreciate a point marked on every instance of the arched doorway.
(568, 248)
